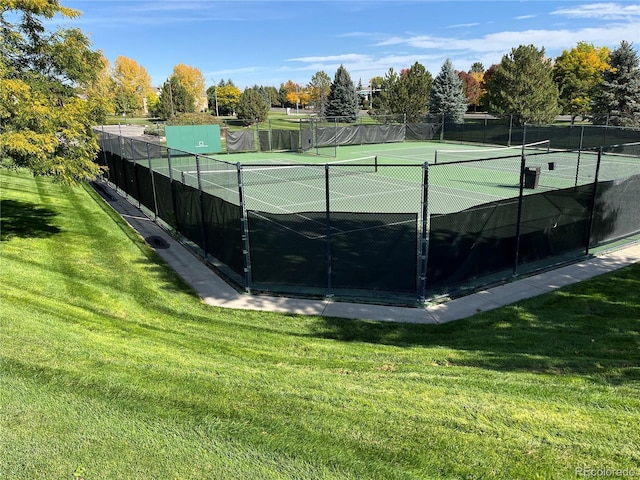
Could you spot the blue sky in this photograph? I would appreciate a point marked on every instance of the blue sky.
(268, 43)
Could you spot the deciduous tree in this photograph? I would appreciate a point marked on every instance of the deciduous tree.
(45, 125)
(472, 89)
(319, 89)
(297, 95)
(99, 92)
(193, 81)
(577, 72)
(132, 84)
(287, 93)
(226, 95)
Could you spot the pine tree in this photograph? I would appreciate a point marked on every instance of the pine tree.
(406, 94)
(174, 99)
(522, 85)
(447, 97)
(343, 99)
(410, 94)
(477, 67)
(617, 99)
(252, 106)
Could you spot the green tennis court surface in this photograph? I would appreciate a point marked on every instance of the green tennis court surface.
(388, 177)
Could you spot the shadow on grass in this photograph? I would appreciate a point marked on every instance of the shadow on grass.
(25, 220)
(591, 328)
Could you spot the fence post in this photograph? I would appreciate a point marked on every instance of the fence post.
(203, 228)
(172, 190)
(328, 230)
(510, 128)
(104, 151)
(153, 185)
(523, 159)
(135, 175)
(592, 207)
(579, 155)
(244, 227)
(124, 168)
(423, 249)
(257, 136)
(484, 130)
(112, 174)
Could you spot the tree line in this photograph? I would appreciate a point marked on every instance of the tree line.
(586, 81)
(54, 87)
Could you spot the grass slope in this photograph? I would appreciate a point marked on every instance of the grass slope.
(112, 368)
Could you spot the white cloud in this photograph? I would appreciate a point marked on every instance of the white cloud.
(602, 11)
(463, 25)
(347, 57)
(504, 41)
(231, 71)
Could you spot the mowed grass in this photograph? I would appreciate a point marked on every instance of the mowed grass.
(113, 369)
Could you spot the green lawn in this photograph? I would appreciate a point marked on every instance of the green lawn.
(113, 369)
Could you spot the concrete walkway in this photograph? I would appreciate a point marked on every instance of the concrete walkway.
(214, 291)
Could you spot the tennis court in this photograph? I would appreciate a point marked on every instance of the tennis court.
(404, 217)
(389, 177)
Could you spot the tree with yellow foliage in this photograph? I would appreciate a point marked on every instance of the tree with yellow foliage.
(193, 81)
(577, 72)
(99, 92)
(131, 85)
(298, 95)
(45, 124)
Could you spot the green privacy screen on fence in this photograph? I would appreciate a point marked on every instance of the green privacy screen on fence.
(194, 138)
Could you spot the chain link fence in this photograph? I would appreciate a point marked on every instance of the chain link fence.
(385, 232)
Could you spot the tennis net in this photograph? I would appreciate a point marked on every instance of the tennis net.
(265, 174)
(452, 155)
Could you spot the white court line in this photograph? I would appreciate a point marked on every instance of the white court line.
(448, 192)
(337, 230)
(410, 158)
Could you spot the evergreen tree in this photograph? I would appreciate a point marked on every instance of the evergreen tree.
(272, 92)
(174, 99)
(406, 94)
(447, 97)
(252, 106)
(410, 93)
(383, 88)
(522, 85)
(477, 67)
(617, 98)
(343, 99)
